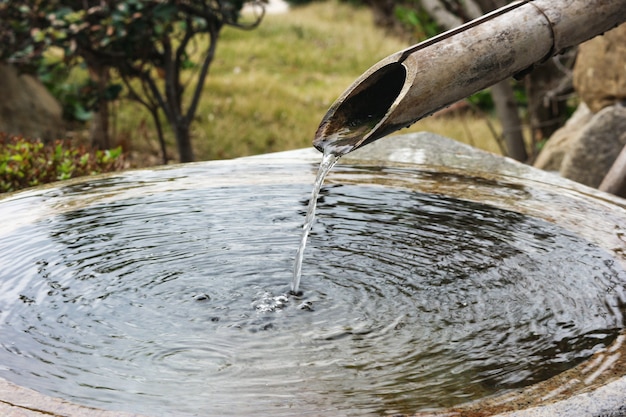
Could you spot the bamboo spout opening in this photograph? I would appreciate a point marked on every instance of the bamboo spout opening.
(352, 120)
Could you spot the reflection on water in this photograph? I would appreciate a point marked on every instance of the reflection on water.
(175, 303)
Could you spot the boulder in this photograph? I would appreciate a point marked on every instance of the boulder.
(594, 150)
(586, 147)
(27, 108)
(600, 70)
(555, 149)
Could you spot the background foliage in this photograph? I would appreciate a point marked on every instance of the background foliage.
(26, 163)
(151, 41)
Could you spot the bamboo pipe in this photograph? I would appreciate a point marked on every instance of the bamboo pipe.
(415, 82)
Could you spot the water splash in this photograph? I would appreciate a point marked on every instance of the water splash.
(328, 161)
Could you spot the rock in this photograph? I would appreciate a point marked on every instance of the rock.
(27, 108)
(593, 152)
(586, 147)
(560, 142)
(600, 70)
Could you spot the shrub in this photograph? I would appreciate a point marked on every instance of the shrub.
(25, 163)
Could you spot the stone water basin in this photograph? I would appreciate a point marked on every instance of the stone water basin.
(438, 280)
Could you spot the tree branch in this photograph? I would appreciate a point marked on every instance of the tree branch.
(615, 180)
(472, 9)
(172, 105)
(213, 35)
(437, 10)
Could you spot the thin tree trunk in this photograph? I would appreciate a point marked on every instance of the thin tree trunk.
(157, 123)
(489, 5)
(99, 127)
(472, 9)
(183, 140)
(615, 180)
(437, 10)
(505, 104)
(506, 109)
(546, 87)
(502, 93)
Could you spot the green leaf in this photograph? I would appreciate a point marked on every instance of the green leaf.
(113, 91)
(165, 12)
(74, 16)
(159, 29)
(38, 35)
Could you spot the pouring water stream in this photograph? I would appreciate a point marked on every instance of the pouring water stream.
(328, 161)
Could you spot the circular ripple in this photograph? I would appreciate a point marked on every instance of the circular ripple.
(176, 303)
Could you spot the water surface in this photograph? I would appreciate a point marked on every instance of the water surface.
(176, 302)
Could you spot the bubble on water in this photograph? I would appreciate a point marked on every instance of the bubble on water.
(306, 305)
(202, 297)
(266, 302)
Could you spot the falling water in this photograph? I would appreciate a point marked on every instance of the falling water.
(328, 161)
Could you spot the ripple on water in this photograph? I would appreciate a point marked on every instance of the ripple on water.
(176, 303)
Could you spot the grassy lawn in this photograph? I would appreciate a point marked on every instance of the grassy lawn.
(268, 88)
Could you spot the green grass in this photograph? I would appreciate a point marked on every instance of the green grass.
(269, 88)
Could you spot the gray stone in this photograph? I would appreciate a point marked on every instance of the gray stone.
(597, 146)
(586, 147)
(600, 70)
(27, 108)
(559, 144)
